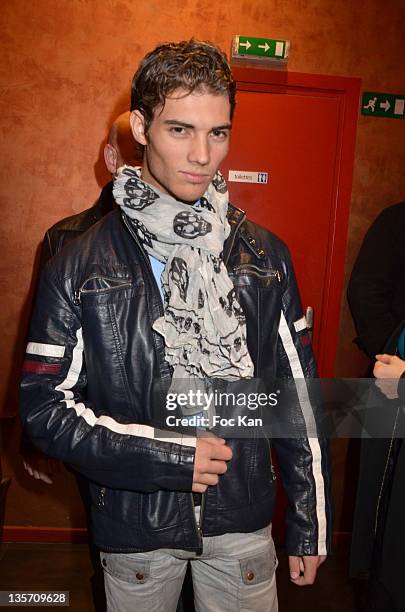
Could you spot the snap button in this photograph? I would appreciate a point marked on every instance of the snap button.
(139, 576)
(250, 576)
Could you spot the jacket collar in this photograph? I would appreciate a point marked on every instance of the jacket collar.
(105, 202)
(236, 217)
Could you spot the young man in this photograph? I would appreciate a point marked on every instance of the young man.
(104, 347)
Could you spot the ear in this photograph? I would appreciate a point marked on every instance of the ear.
(110, 158)
(137, 121)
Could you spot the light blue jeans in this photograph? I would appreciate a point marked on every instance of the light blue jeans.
(235, 573)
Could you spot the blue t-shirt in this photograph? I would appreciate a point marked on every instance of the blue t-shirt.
(157, 269)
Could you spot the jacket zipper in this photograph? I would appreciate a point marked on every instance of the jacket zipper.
(260, 272)
(101, 495)
(273, 473)
(202, 508)
(77, 294)
(198, 524)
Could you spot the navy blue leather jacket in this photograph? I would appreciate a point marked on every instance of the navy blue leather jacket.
(92, 371)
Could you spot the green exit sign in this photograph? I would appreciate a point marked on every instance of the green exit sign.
(260, 48)
(383, 105)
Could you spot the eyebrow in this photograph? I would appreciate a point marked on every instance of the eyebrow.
(227, 126)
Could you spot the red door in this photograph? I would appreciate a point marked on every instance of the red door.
(300, 129)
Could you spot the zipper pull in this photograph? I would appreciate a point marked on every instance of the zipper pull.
(76, 297)
(101, 497)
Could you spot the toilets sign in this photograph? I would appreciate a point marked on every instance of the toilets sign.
(383, 105)
(244, 176)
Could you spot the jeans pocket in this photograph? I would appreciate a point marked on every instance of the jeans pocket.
(259, 567)
(125, 567)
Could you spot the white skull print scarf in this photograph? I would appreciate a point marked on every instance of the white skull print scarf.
(203, 325)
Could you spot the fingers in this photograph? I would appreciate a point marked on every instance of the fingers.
(303, 570)
(45, 478)
(384, 358)
(210, 462)
(209, 466)
(388, 366)
(295, 569)
(208, 479)
(199, 488)
(37, 474)
(218, 447)
(221, 452)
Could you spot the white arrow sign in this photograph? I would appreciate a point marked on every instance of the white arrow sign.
(385, 105)
(266, 47)
(246, 44)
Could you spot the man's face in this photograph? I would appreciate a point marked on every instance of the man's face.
(185, 143)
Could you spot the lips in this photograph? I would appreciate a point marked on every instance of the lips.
(196, 179)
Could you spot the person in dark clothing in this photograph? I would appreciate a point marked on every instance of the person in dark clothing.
(387, 591)
(376, 290)
(376, 296)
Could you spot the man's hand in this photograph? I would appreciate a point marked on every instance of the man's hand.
(210, 460)
(388, 369)
(303, 569)
(388, 366)
(41, 467)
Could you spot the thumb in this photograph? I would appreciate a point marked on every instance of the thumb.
(294, 563)
(383, 358)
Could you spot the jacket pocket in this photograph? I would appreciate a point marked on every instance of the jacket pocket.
(252, 275)
(159, 511)
(95, 289)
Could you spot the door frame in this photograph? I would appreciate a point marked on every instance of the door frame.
(347, 92)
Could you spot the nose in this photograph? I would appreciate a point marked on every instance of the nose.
(199, 152)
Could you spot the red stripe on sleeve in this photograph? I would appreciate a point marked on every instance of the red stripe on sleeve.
(37, 367)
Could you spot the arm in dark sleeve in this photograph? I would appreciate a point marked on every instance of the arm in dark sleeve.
(64, 424)
(47, 249)
(304, 461)
(372, 285)
(27, 448)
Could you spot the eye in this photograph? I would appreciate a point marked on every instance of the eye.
(220, 134)
(177, 130)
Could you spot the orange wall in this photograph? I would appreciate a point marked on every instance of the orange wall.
(66, 67)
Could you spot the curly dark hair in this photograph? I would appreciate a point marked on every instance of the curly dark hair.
(189, 65)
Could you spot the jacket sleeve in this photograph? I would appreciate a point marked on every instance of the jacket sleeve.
(47, 249)
(304, 462)
(372, 286)
(63, 424)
